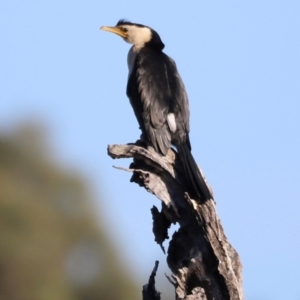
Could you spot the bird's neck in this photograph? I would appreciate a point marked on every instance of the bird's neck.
(138, 46)
(131, 58)
(134, 51)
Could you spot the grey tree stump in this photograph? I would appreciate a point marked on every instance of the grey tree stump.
(203, 263)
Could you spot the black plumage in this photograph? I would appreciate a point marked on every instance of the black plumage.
(159, 100)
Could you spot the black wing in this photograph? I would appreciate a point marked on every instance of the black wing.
(155, 90)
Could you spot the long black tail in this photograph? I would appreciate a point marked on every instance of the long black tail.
(193, 174)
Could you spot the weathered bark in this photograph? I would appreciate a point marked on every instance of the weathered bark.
(203, 263)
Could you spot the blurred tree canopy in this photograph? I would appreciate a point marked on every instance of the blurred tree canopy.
(51, 244)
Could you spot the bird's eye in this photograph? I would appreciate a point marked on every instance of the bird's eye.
(124, 29)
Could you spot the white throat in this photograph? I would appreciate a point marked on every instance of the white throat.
(138, 36)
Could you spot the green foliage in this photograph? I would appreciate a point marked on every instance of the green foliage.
(51, 246)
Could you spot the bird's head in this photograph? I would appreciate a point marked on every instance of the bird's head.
(136, 34)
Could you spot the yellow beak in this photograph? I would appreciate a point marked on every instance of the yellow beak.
(115, 30)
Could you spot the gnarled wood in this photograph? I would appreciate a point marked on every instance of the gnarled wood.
(203, 263)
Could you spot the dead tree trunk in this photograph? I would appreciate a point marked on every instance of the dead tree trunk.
(203, 263)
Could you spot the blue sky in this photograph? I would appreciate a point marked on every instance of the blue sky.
(240, 62)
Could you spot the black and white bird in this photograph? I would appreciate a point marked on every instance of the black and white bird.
(159, 100)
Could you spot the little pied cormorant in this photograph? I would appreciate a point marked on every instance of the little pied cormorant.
(159, 100)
